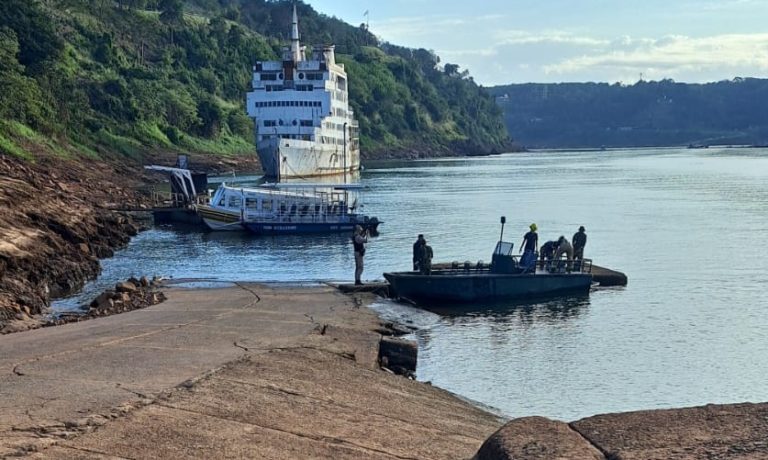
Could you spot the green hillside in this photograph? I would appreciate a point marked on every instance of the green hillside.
(105, 78)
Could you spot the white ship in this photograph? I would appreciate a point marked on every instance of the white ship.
(304, 126)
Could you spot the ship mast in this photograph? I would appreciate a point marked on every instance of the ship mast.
(295, 46)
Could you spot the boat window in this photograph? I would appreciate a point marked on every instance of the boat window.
(266, 205)
(293, 210)
(235, 201)
(282, 208)
(251, 203)
(304, 210)
(503, 247)
(222, 202)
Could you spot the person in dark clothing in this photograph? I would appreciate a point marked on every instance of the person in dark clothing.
(528, 248)
(425, 258)
(579, 241)
(547, 253)
(358, 241)
(417, 251)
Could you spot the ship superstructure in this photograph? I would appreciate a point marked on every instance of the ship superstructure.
(304, 126)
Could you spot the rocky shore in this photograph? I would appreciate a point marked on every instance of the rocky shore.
(58, 219)
(61, 215)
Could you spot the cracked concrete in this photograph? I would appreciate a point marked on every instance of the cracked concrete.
(236, 372)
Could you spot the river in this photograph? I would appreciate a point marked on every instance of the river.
(686, 226)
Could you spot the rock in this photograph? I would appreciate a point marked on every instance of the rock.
(104, 300)
(399, 354)
(125, 297)
(84, 248)
(126, 287)
(537, 438)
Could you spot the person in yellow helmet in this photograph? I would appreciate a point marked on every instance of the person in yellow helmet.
(528, 248)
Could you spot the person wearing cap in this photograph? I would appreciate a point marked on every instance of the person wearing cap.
(579, 241)
(417, 251)
(358, 241)
(528, 248)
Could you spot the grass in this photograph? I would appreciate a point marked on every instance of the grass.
(123, 145)
(9, 147)
(150, 133)
(227, 145)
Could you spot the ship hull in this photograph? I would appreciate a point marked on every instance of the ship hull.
(289, 158)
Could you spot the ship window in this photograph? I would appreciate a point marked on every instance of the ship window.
(301, 76)
(282, 208)
(294, 122)
(280, 122)
(268, 76)
(251, 203)
(280, 76)
(266, 205)
(306, 122)
(269, 123)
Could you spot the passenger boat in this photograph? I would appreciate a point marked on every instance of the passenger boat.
(503, 279)
(287, 208)
(300, 107)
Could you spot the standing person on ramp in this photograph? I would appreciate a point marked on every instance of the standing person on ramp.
(358, 241)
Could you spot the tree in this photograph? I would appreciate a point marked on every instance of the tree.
(171, 12)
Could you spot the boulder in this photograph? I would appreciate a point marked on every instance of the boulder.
(399, 353)
(126, 286)
(537, 438)
(104, 300)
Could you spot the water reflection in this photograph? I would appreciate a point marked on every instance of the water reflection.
(499, 320)
(542, 309)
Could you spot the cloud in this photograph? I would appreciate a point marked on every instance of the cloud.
(496, 52)
(673, 55)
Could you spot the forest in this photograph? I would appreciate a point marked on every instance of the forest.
(101, 78)
(647, 113)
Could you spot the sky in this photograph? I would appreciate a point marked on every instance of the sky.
(547, 41)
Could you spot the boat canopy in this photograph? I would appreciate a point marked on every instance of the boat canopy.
(183, 177)
(317, 185)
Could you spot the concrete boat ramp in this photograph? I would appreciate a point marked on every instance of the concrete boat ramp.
(275, 372)
(249, 371)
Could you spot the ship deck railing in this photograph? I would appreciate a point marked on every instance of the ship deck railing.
(177, 200)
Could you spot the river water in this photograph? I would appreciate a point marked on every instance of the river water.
(687, 226)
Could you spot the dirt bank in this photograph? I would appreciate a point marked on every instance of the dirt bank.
(57, 220)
